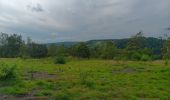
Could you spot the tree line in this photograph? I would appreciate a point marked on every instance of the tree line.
(134, 48)
(13, 45)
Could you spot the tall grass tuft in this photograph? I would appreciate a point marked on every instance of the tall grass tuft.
(85, 79)
(7, 72)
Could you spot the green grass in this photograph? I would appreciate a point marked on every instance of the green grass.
(89, 79)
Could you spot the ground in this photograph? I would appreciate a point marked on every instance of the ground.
(87, 79)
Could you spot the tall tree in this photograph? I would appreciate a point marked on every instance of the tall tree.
(3, 44)
(10, 45)
(37, 50)
(80, 50)
(14, 45)
(166, 49)
(108, 50)
(52, 50)
(136, 42)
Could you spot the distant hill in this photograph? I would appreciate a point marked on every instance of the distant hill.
(154, 43)
(120, 43)
(66, 44)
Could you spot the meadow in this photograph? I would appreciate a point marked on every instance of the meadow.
(86, 79)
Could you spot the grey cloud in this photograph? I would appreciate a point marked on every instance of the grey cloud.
(75, 20)
(35, 8)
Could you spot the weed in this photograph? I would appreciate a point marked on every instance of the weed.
(86, 79)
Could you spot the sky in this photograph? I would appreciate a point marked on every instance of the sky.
(82, 20)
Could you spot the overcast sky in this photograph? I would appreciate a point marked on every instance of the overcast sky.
(81, 20)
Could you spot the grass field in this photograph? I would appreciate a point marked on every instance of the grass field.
(80, 79)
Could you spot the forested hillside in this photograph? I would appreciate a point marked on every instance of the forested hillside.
(138, 47)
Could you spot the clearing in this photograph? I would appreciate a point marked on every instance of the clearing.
(92, 79)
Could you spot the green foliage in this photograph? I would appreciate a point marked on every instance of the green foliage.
(166, 62)
(10, 45)
(37, 50)
(135, 56)
(60, 60)
(62, 96)
(85, 79)
(52, 50)
(62, 51)
(145, 57)
(136, 42)
(166, 49)
(80, 50)
(7, 72)
(95, 51)
(108, 50)
(89, 79)
(129, 49)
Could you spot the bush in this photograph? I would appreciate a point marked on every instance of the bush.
(135, 56)
(59, 60)
(166, 62)
(145, 58)
(7, 72)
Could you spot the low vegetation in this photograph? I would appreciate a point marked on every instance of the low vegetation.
(85, 79)
(7, 73)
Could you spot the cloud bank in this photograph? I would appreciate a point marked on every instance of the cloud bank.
(81, 20)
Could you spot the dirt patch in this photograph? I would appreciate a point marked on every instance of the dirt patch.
(3, 97)
(30, 96)
(130, 70)
(124, 71)
(39, 75)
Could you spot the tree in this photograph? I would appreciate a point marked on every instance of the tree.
(14, 45)
(3, 44)
(135, 48)
(80, 50)
(37, 50)
(108, 50)
(61, 51)
(166, 49)
(136, 42)
(10, 45)
(95, 51)
(52, 50)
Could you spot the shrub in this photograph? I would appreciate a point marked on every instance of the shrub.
(135, 56)
(7, 72)
(59, 60)
(166, 62)
(145, 58)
